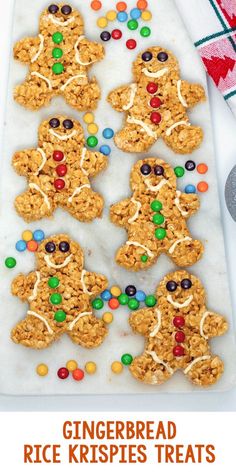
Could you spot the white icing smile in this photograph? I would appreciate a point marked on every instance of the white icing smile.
(49, 263)
(56, 21)
(179, 305)
(157, 74)
(63, 137)
(155, 188)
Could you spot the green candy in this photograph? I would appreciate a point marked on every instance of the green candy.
(150, 301)
(158, 219)
(92, 141)
(57, 38)
(60, 316)
(57, 53)
(58, 68)
(127, 359)
(179, 171)
(10, 262)
(123, 299)
(53, 282)
(133, 304)
(144, 258)
(145, 32)
(56, 298)
(156, 205)
(132, 25)
(97, 304)
(160, 233)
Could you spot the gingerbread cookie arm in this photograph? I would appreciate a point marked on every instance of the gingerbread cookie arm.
(124, 212)
(27, 49)
(190, 94)
(93, 283)
(89, 52)
(187, 204)
(212, 325)
(92, 163)
(121, 99)
(29, 161)
(24, 286)
(145, 321)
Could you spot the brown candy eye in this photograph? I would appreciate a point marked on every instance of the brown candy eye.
(64, 246)
(68, 124)
(186, 284)
(162, 56)
(171, 286)
(53, 9)
(145, 169)
(159, 170)
(66, 10)
(50, 247)
(147, 56)
(54, 123)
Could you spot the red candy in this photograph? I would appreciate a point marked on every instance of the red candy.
(179, 321)
(58, 156)
(155, 117)
(131, 44)
(114, 303)
(116, 34)
(155, 102)
(59, 184)
(178, 351)
(152, 88)
(180, 337)
(63, 373)
(61, 170)
(78, 375)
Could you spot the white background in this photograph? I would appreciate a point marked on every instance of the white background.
(224, 125)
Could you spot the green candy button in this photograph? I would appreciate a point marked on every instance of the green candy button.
(123, 299)
(92, 141)
(127, 359)
(10, 262)
(53, 282)
(57, 38)
(133, 304)
(57, 53)
(160, 233)
(56, 298)
(156, 205)
(179, 171)
(150, 300)
(158, 219)
(60, 316)
(144, 258)
(145, 32)
(132, 25)
(58, 68)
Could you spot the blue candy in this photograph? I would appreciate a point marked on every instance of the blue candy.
(21, 246)
(39, 235)
(190, 188)
(106, 295)
(135, 13)
(122, 16)
(108, 133)
(140, 296)
(105, 149)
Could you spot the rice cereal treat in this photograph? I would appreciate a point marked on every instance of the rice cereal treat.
(156, 105)
(177, 332)
(155, 218)
(59, 295)
(59, 59)
(59, 172)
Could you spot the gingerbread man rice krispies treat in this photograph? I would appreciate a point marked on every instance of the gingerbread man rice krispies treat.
(155, 218)
(59, 172)
(59, 294)
(156, 105)
(59, 59)
(177, 331)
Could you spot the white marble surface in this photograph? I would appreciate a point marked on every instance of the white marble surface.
(20, 132)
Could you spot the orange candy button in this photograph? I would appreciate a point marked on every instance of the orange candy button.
(96, 5)
(202, 168)
(32, 246)
(142, 4)
(121, 6)
(202, 187)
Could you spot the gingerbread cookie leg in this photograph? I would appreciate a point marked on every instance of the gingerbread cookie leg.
(134, 138)
(34, 204)
(87, 330)
(204, 371)
(34, 332)
(185, 251)
(83, 203)
(35, 92)
(148, 368)
(82, 97)
(183, 139)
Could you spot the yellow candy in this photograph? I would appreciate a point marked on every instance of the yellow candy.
(146, 15)
(27, 235)
(102, 22)
(111, 15)
(93, 128)
(90, 368)
(42, 370)
(107, 317)
(115, 291)
(116, 367)
(88, 118)
(71, 366)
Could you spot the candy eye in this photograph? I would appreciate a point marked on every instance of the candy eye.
(66, 10)
(162, 56)
(50, 247)
(159, 170)
(53, 9)
(68, 124)
(186, 284)
(147, 56)
(145, 169)
(54, 123)
(171, 286)
(64, 246)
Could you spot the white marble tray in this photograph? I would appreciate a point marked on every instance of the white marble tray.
(100, 239)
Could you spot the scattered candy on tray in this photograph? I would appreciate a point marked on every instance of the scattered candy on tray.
(115, 291)
(190, 188)
(96, 5)
(202, 187)
(106, 295)
(116, 367)
(88, 118)
(63, 373)
(21, 246)
(27, 235)
(108, 133)
(92, 141)
(142, 4)
(114, 303)
(102, 22)
(127, 359)
(10, 262)
(97, 304)
(42, 370)
(105, 36)
(107, 317)
(90, 368)
(122, 16)
(71, 365)
(78, 375)
(202, 168)
(121, 6)
(131, 44)
(111, 15)
(116, 34)
(179, 171)
(190, 166)
(30, 240)
(105, 149)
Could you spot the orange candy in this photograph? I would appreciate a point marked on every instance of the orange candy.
(142, 4)
(78, 375)
(121, 6)
(96, 5)
(202, 187)
(202, 168)
(113, 303)
(32, 246)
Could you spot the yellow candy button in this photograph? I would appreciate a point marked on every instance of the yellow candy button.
(42, 370)
(72, 365)
(27, 235)
(115, 291)
(107, 317)
(102, 22)
(93, 128)
(88, 118)
(116, 367)
(111, 15)
(146, 15)
(90, 368)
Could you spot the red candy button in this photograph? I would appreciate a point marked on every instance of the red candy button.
(113, 303)
(180, 337)
(116, 34)
(178, 321)
(59, 184)
(155, 117)
(58, 156)
(61, 170)
(63, 373)
(178, 351)
(155, 102)
(131, 44)
(152, 88)
(78, 375)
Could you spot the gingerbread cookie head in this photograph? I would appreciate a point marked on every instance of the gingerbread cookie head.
(181, 291)
(61, 131)
(154, 62)
(58, 252)
(61, 15)
(150, 175)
